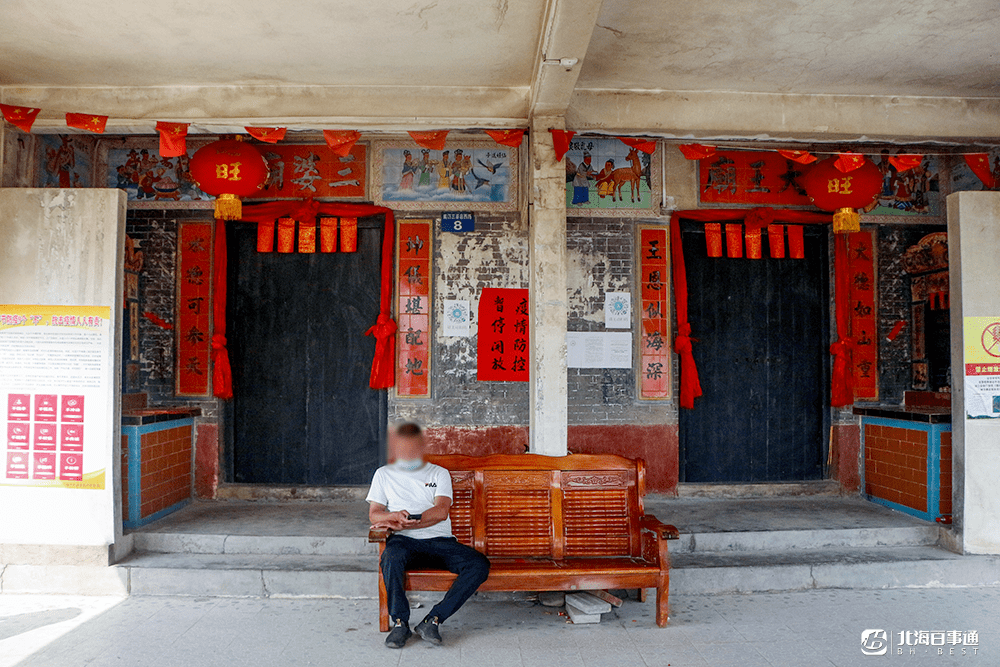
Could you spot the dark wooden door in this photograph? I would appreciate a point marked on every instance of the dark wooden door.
(303, 412)
(762, 330)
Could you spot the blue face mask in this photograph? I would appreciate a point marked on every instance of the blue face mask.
(409, 465)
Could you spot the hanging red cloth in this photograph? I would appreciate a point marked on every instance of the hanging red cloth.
(690, 385)
(842, 381)
(222, 374)
(383, 365)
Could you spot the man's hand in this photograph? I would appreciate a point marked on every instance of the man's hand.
(381, 518)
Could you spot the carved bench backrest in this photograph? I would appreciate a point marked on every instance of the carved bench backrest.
(532, 506)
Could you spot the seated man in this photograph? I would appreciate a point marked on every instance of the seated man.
(413, 498)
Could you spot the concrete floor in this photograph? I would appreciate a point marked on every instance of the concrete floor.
(793, 629)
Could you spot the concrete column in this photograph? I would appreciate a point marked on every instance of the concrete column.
(548, 300)
(974, 257)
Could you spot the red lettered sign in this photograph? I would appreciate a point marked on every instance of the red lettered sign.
(46, 407)
(72, 408)
(502, 346)
(18, 407)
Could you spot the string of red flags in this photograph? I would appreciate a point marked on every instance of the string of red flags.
(434, 140)
(697, 151)
(510, 138)
(801, 157)
(341, 141)
(560, 141)
(640, 144)
(979, 163)
(269, 135)
(20, 117)
(173, 138)
(86, 121)
(305, 240)
(905, 162)
(848, 162)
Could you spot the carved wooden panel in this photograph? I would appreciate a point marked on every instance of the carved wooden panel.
(518, 478)
(596, 478)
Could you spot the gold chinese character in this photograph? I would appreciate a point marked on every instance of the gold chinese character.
(228, 172)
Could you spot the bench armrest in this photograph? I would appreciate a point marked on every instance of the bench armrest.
(379, 534)
(663, 530)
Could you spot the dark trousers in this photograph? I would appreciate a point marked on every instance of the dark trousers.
(402, 552)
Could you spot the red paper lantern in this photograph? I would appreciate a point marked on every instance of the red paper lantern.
(229, 169)
(832, 190)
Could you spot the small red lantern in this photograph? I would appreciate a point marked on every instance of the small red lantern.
(229, 169)
(833, 190)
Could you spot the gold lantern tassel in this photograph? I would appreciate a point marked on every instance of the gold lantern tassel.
(846, 220)
(228, 207)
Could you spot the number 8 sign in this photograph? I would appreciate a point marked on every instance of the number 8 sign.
(458, 222)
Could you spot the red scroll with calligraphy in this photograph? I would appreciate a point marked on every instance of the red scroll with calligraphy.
(864, 313)
(654, 344)
(502, 347)
(194, 306)
(758, 178)
(413, 285)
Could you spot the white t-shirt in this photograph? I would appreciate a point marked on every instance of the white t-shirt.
(414, 492)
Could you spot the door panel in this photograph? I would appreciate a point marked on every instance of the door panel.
(303, 412)
(762, 335)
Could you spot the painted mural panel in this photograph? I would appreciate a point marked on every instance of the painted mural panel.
(463, 176)
(64, 161)
(914, 192)
(147, 177)
(607, 175)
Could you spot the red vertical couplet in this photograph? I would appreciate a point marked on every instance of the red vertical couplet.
(654, 344)
(502, 353)
(863, 312)
(194, 308)
(413, 280)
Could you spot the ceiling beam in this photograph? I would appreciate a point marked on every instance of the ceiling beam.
(562, 48)
(374, 108)
(811, 118)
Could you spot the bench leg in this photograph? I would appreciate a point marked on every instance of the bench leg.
(642, 595)
(383, 605)
(663, 600)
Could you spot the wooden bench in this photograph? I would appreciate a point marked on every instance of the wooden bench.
(551, 524)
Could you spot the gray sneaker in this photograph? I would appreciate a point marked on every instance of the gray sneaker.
(428, 630)
(398, 635)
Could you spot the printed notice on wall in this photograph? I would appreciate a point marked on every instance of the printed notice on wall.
(618, 310)
(54, 375)
(456, 317)
(598, 349)
(982, 367)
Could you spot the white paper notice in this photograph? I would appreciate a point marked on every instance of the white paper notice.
(617, 310)
(456, 317)
(599, 349)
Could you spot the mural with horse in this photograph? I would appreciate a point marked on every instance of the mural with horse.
(606, 174)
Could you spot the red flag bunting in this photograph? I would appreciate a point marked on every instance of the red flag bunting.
(713, 239)
(644, 145)
(696, 151)
(802, 157)
(905, 162)
(752, 235)
(560, 141)
(20, 117)
(979, 163)
(433, 140)
(271, 135)
(796, 242)
(173, 138)
(341, 141)
(776, 241)
(734, 240)
(848, 162)
(510, 138)
(87, 121)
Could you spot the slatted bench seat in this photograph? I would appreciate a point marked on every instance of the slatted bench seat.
(551, 524)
